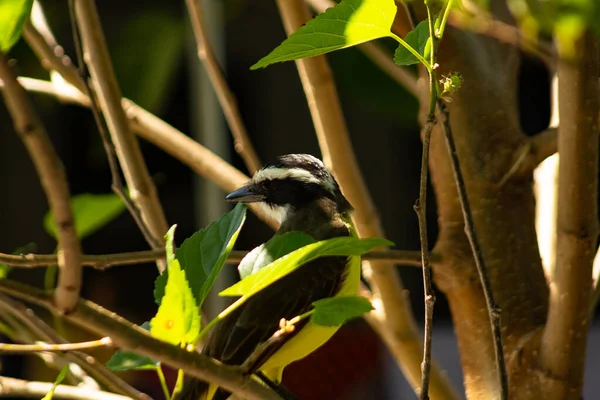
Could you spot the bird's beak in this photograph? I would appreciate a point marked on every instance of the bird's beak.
(245, 194)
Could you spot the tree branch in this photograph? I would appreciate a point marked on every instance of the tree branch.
(206, 54)
(117, 182)
(141, 188)
(54, 183)
(7, 348)
(392, 313)
(89, 364)
(104, 261)
(564, 337)
(11, 387)
(493, 309)
(130, 337)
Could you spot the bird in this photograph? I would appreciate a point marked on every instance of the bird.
(302, 195)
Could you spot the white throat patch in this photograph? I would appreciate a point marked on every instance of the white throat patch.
(278, 213)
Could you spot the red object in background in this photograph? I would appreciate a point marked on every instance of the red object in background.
(338, 369)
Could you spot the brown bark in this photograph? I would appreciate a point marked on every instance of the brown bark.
(485, 125)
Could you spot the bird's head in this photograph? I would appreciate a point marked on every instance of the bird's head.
(289, 183)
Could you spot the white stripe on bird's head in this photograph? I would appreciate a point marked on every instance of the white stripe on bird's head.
(298, 174)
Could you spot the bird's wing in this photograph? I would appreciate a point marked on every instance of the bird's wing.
(235, 338)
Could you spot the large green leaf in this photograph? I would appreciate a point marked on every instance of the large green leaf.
(90, 211)
(341, 246)
(276, 247)
(203, 254)
(13, 16)
(418, 39)
(349, 23)
(178, 318)
(335, 311)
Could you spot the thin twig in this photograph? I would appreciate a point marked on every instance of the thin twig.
(11, 387)
(493, 309)
(128, 336)
(564, 337)
(377, 55)
(7, 348)
(142, 189)
(206, 54)
(421, 210)
(89, 364)
(109, 147)
(54, 183)
(104, 261)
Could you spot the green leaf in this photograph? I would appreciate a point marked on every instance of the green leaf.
(340, 246)
(61, 376)
(178, 318)
(127, 361)
(203, 254)
(348, 23)
(270, 251)
(13, 16)
(90, 211)
(335, 311)
(169, 244)
(418, 39)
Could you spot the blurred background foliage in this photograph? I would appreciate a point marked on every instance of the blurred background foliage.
(154, 57)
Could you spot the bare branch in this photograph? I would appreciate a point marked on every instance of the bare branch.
(11, 387)
(206, 54)
(493, 309)
(392, 313)
(127, 336)
(111, 154)
(421, 210)
(104, 261)
(89, 364)
(565, 333)
(141, 188)
(54, 183)
(39, 347)
(377, 55)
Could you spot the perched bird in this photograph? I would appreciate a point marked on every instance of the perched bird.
(298, 191)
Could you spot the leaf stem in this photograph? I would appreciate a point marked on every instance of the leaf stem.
(163, 382)
(412, 51)
(442, 28)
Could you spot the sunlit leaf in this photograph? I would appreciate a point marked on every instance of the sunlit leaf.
(61, 376)
(90, 211)
(178, 318)
(13, 16)
(348, 23)
(418, 39)
(340, 246)
(276, 247)
(337, 310)
(203, 254)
